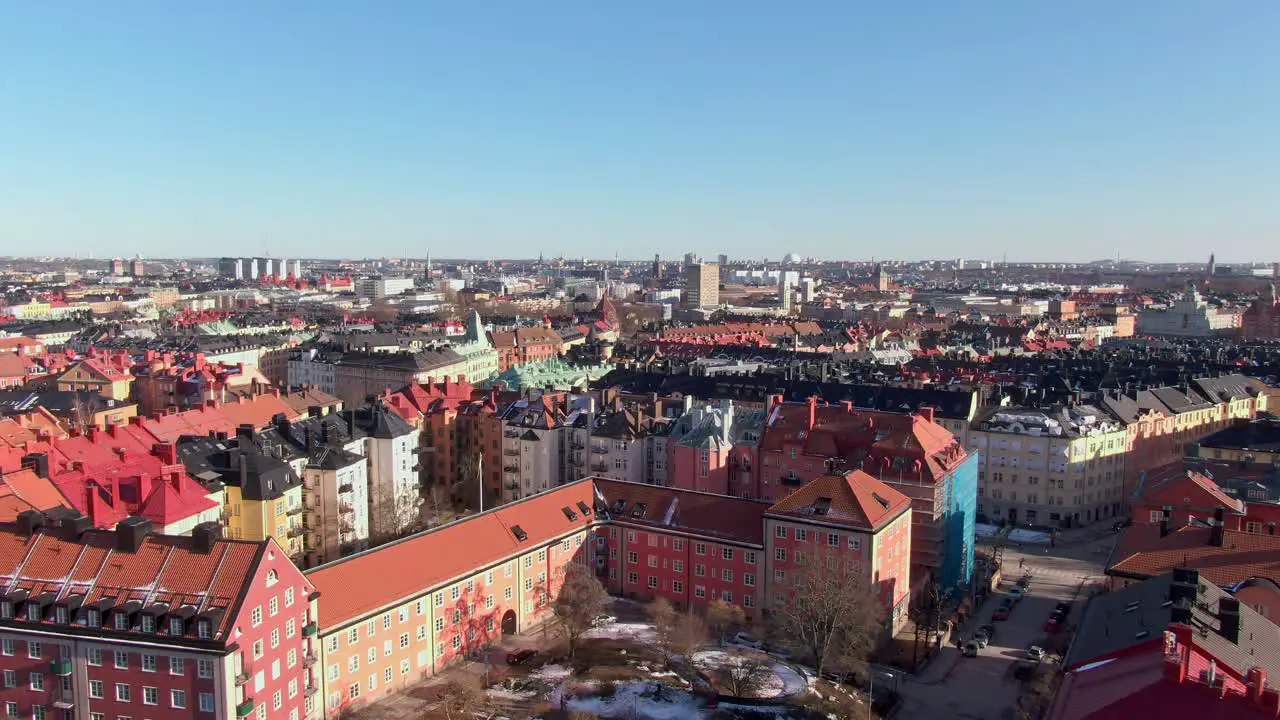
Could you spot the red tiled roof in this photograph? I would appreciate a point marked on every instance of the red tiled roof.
(1141, 552)
(165, 569)
(1179, 488)
(363, 583)
(854, 499)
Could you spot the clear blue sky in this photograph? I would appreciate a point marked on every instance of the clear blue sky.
(1045, 130)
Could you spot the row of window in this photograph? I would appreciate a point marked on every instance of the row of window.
(834, 540)
(699, 591)
(65, 613)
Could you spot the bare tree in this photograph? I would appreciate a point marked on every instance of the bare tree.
(1037, 694)
(724, 616)
(580, 600)
(739, 675)
(666, 622)
(833, 614)
(460, 699)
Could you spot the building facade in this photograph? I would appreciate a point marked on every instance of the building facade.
(701, 285)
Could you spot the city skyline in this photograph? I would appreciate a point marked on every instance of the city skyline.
(1039, 134)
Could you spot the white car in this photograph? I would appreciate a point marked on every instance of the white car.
(1035, 652)
(601, 620)
(747, 640)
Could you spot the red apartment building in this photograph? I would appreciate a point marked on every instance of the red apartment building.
(109, 624)
(525, 345)
(693, 548)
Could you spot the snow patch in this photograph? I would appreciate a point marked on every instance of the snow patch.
(782, 681)
(638, 700)
(639, 632)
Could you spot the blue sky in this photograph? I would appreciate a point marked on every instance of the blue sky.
(846, 129)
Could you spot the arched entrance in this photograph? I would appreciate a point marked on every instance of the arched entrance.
(509, 623)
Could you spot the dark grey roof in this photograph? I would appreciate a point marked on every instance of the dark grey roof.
(1141, 612)
(377, 421)
(238, 463)
(56, 401)
(1262, 435)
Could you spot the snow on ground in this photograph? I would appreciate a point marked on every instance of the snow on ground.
(782, 682)
(551, 673)
(639, 632)
(635, 700)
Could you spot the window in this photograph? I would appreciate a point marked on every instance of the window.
(206, 702)
(257, 649)
(700, 570)
(353, 636)
(653, 561)
(750, 558)
(652, 582)
(95, 654)
(726, 575)
(123, 693)
(178, 698)
(95, 689)
(255, 616)
(726, 553)
(122, 660)
(148, 663)
(780, 554)
(273, 607)
(632, 578)
(35, 651)
(855, 543)
(833, 540)
(699, 591)
(677, 565)
(275, 638)
(177, 666)
(150, 696)
(677, 544)
(677, 586)
(288, 597)
(699, 548)
(780, 532)
(632, 558)
(726, 596)
(748, 601)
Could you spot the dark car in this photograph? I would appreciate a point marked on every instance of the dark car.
(1121, 524)
(520, 657)
(989, 629)
(1001, 613)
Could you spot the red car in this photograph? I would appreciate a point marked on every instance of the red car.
(1001, 613)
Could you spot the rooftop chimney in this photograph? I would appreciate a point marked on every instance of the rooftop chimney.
(130, 532)
(204, 536)
(1217, 530)
(37, 463)
(29, 521)
(1229, 618)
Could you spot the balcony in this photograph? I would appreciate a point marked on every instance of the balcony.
(600, 449)
(308, 658)
(346, 528)
(298, 531)
(511, 452)
(791, 480)
(345, 508)
(599, 467)
(577, 445)
(245, 708)
(310, 629)
(243, 676)
(511, 433)
(345, 488)
(60, 667)
(295, 510)
(310, 690)
(64, 699)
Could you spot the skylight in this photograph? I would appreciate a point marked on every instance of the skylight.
(519, 532)
(569, 513)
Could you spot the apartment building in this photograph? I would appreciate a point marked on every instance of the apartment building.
(391, 446)
(702, 285)
(693, 548)
(1164, 423)
(525, 345)
(1061, 467)
(389, 619)
(711, 447)
(907, 451)
(354, 376)
(97, 624)
(533, 446)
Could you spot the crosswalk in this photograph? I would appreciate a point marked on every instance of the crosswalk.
(1048, 573)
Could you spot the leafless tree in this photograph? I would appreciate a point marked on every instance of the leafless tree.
(580, 599)
(1037, 694)
(740, 675)
(833, 615)
(666, 622)
(724, 616)
(461, 699)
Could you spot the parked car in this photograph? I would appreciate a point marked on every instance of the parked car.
(1122, 524)
(1017, 593)
(603, 619)
(990, 631)
(520, 657)
(1053, 624)
(969, 649)
(981, 639)
(1035, 652)
(1024, 582)
(1001, 613)
(747, 639)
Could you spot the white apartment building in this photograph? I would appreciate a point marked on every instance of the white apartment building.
(394, 489)
(1060, 467)
(533, 447)
(379, 287)
(335, 492)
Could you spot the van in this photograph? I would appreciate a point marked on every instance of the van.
(969, 649)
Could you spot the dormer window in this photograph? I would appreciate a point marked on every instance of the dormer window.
(204, 630)
(6, 610)
(176, 626)
(148, 623)
(121, 621)
(93, 617)
(34, 612)
(62, 615)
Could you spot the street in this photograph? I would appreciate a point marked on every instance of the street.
(982, 688)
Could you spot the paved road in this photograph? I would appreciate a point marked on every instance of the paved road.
(981, 688)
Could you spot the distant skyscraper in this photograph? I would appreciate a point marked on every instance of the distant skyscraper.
(1212, 267)
(657, 266)
(723, 259)
(702, 285)
(117, 266)
(137, 268)
(690, 259)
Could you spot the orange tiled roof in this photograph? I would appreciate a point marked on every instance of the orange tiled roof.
(363, 583)
(854, 498)
(164, 570)
(1142, 553)
(24, 490)
(1181, 488)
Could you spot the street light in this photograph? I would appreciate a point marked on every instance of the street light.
(871, 687)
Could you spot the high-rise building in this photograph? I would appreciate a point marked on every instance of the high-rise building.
(137, 268)
(117, 266)
(690, 259)
(657, 266)
(723, 259)
(702, 285)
